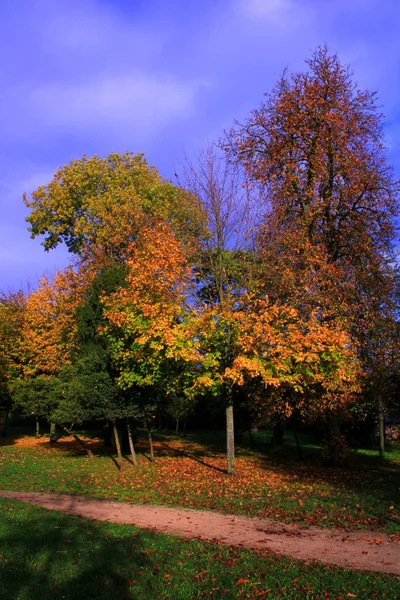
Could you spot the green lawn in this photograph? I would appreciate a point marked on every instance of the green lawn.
(44, 554)
(191, 473)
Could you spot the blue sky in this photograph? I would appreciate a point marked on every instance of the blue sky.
(161, 77)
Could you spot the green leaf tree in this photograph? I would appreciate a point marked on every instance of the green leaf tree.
(96, 205)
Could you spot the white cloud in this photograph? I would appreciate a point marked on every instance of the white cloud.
(89, 28)
(273, 10)
(91, 67)
(140, 101)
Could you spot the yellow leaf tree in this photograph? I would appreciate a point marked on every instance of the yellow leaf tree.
(96, 205)
(157, 324)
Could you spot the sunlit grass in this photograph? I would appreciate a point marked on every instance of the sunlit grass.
(191, 473)
(44, 554)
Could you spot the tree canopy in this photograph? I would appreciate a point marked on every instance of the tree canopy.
(97, 205)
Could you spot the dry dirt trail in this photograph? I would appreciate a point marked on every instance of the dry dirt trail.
(362, 550)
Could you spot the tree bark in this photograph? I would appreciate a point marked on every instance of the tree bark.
(131, 446)
(334, 431)
(150, 441)
(80, 442)
(296, 439)
(5, 427)
(230, 440)
(250, 436)
(334, 426)
(381, 427)
(37, 427)
(52, 433)
(116, 438)
(279, 430)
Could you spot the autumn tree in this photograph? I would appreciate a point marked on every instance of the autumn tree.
(145, 329)
(315, 147)
(96, 205)
(160, 331)
(12, 310)
(49, 331)
(244, 336)
(224, 264)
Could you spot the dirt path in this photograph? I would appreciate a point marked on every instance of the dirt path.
(357, 550)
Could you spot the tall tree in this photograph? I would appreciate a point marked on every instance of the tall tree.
(225, 261)
(233, 307)
(48, 335)
(95, 353)
(315, 146)
(145, 315)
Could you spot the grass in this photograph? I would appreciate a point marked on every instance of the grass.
(191, 473)
(44, 554)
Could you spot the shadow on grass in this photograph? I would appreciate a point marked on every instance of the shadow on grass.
(115, 461)
(364, 490)
(49, 555)
(361, 494)
(46, 555)
(62, 444)
(177, 452)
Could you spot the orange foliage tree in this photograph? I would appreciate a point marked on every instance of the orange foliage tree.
(48, 341)
(146, 317)
(157, 325)
(12, 310)
(315, 146)
(49, 329)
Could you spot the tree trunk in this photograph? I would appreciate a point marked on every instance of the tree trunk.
(230, 440)
(250, 436)
(5, 428)
(53, 437)
(37, 427)
(296, 439)
(80, 442)
(131, 446)
(177, 427)
(150, 441)
(107, 435)
(334, 431)
(116, 438)
(333, 426)
(381, 424)
(279, 430)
